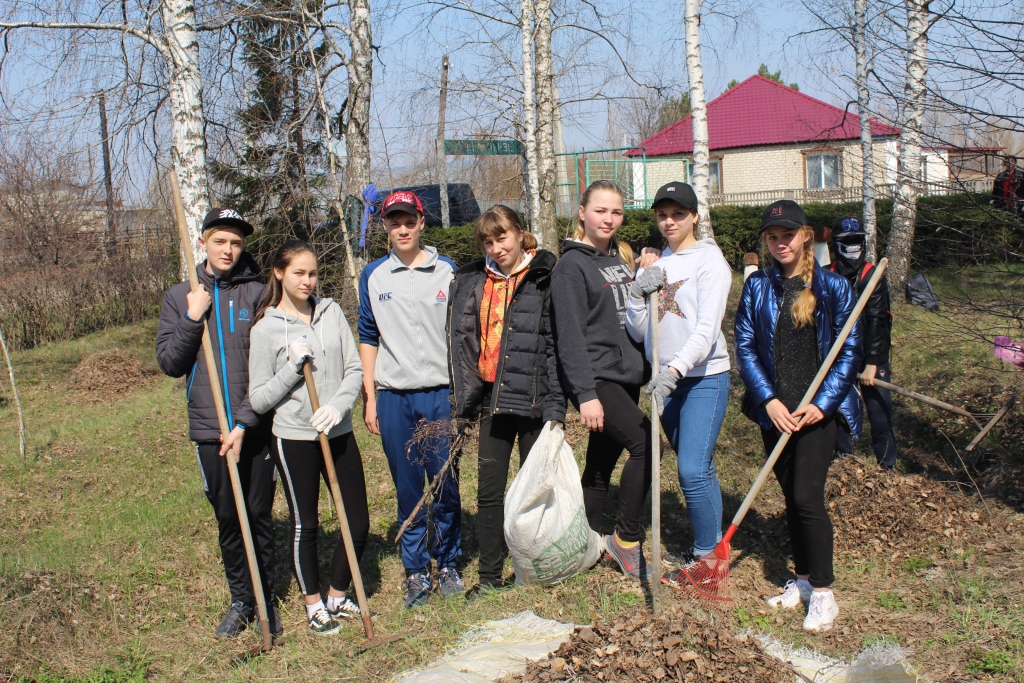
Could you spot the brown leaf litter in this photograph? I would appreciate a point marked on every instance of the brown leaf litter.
(110, 374)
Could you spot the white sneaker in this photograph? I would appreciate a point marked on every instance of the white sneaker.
(793, 593)
(822, 612)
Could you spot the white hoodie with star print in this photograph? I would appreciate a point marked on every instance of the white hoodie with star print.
(693, 304)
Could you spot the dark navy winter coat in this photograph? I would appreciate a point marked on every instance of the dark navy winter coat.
(756, 318)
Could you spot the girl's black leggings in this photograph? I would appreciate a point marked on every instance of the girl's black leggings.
(302, 465)
(625, 427)
(801, 470)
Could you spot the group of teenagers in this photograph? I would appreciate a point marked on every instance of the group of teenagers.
(508, 340)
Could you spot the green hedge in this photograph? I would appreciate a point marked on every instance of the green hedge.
(951, 230)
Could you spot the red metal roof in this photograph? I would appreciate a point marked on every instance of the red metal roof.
(760, 111)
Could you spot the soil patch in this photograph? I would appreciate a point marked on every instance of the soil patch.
(682, 644)
(110, 374)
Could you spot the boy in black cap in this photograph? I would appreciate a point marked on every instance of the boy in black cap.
(877, 320)
(229, 297)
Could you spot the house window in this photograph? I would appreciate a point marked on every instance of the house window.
(822, 171)
(715, 175)
(715, 185)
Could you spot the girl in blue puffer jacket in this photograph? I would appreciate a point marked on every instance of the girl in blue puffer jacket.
(788, 318)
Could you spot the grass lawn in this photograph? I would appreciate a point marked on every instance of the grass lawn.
(110, 569)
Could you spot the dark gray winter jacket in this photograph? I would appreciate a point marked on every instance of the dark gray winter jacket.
(527, 379)
(235, 300)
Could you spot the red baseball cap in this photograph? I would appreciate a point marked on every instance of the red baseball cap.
(402, 201)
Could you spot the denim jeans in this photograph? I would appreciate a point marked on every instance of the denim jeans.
(692, 419)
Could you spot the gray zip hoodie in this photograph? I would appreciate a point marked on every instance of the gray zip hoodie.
(275, 383)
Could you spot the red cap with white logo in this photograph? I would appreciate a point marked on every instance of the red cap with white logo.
(402, 201)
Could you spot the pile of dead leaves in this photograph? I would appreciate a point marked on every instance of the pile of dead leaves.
(108, 374)
(679, 645)
(892, 514)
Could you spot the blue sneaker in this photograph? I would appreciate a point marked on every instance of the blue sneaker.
(417, 589)
(449, 582)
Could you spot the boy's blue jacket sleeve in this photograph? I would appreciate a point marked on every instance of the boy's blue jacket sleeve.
(367, 325)
(178, 337)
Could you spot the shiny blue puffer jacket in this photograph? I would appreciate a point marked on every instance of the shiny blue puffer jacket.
(755, 343)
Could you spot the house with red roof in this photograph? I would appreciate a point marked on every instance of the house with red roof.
(769, 141)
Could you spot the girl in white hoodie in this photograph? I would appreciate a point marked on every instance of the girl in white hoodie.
(292, 328)
(691, 376)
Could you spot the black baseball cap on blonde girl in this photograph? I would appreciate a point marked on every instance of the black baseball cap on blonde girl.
(785, 213)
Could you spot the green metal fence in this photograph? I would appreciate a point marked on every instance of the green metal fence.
(638, 177)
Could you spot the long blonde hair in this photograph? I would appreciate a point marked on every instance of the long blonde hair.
(625, 251)
(803, 307)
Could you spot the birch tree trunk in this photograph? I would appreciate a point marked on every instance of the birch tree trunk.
(188, 134)
(529, 121)
(699, 117)
(864, 109)
(360, 80)
(904, 212)
(546, 107)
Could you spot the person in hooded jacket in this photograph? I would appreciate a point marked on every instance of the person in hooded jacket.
(602, 369)
(230, 294)
(789, 316)
(690, 387)
(850, 262)
(503, 365)
(293, 328)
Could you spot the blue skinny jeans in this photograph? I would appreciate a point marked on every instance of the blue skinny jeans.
(692, 419)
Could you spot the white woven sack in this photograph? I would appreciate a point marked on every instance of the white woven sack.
(546, 526)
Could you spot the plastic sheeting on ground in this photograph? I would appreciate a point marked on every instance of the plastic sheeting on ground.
(494, 649)
(878, 663)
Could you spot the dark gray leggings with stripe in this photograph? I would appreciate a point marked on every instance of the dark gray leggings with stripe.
(302, 465)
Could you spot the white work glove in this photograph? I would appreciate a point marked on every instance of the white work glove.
(325, 419)
(647, 282)
(298, 351)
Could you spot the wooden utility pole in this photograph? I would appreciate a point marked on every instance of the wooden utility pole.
(442, 159)
(108, 182)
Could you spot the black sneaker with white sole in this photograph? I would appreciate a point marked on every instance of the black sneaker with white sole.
(345, 610)
(237, 619)
(322, 624)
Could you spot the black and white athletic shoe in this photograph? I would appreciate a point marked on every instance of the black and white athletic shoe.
(321, 623)
(346, 610)
(417, 589)
(237, 619)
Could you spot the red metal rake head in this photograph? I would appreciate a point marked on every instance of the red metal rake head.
(707, 579)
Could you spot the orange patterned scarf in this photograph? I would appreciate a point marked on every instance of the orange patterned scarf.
(497, 294)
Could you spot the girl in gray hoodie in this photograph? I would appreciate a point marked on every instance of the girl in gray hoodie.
(292, 328)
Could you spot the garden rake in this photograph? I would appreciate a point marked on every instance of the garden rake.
(225, 429)
(707, 580)
(346, 532)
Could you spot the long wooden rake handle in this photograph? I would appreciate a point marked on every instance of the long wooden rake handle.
(808, 396)
(653, 305)
(925, 399)
(339, 506)
(222, 419)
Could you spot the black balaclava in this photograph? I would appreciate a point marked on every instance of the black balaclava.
(850, 253)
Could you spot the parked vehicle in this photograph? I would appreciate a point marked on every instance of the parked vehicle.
(462, 205)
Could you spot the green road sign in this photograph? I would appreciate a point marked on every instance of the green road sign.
(482, 147)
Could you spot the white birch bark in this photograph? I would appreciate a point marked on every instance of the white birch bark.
(699, 117)
(188, 135)
(864, 109)
(529, 120)
(545, 118)
(360, 81)
(904, 212)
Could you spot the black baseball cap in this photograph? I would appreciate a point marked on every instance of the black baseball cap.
(226, 217)
(785, 213)
(680, 193)
(847, 226)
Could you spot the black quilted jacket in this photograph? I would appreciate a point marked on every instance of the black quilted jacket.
(527, 380)
(178, 338)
